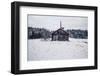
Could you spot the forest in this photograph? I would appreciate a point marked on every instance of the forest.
(36, 33)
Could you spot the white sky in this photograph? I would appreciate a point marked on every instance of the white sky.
(53, 22)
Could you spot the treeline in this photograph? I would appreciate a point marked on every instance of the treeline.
(35, 33)
(78, 33)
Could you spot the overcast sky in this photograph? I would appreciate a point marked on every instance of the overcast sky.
(53, 22)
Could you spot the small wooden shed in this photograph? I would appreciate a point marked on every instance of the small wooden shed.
(60, 35)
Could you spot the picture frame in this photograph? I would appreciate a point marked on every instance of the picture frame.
(24, 14)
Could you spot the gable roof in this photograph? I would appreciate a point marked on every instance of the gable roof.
(60, 31)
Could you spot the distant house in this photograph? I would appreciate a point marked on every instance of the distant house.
(60, 34)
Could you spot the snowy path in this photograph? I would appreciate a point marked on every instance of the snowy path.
(57, 50)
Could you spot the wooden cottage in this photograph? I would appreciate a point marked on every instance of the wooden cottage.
(60, 34)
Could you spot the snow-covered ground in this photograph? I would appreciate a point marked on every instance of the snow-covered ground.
(57, 50)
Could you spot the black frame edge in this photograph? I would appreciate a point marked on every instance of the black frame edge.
(14, 38)
(53, 5)
(56, 70)
(96, 38)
